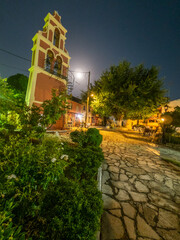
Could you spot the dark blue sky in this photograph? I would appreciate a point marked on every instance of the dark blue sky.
(100, 33)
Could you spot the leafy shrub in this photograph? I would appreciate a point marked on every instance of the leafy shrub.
(79, 137)
(72, 210)
(83, 162)
(7, 230)
(94, 137)
(27, 172)
(16, 115)
(90, 138)
(170, 138)
(47, 188)
(50, 189)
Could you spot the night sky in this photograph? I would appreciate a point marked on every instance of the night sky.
(100, 33)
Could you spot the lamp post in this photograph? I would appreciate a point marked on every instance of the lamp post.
(166, 108)
(79, 75)
(87, 106)
(163, 131)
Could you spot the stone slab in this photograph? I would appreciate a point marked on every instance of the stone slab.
(109, 203)
(130, 228)
(112, 227)
(145, 230)
(128, 210)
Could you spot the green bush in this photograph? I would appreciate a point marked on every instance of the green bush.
(94, 137)
(72, 210)
(83, 162)
(79, 137)
(7, 229)
(48, 189)
(90, 138)
(171, 138)
(27, 172)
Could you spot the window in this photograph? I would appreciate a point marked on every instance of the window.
(70, 106)
(58, 66)
(49, 60)
(56, 38)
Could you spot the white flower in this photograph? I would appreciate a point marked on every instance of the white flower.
(12, 176)
(62, 143)
(65, 157)
(57, 134)
(53, 159)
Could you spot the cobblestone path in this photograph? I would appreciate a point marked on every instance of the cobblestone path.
(141, 193)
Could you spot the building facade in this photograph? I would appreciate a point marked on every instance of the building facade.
(49, 65)
(76, 114)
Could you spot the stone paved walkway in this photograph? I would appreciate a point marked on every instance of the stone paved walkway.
(141, 193)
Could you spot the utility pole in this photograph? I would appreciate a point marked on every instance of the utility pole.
(87, 106)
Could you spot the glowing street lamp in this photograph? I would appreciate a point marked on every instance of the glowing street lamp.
(79, 75)
(88, 93)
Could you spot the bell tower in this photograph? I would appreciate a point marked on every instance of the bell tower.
(50, 63)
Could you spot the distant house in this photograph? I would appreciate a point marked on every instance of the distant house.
(152, 121)
(155, 119)
(171, 105)
(76, 114)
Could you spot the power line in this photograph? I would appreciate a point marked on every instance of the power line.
(15, 55)
(78, 72)
(13, 67)
(77, 82)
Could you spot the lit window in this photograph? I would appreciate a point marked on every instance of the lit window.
(58, 66)
(70, 106)
(56, 38)
(49, 60)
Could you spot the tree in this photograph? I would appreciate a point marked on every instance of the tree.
(11, 102)
(18, 83)
(135, 93)
(7, 97)
(172, 119)
(169, 125)
(12, 92)
(15, 114)
(100, 106)
(98, 101)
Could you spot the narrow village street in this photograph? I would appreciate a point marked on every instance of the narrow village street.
(141, 192)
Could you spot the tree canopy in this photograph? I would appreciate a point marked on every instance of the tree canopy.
(12, 92)
(172, 118)
(18, 82)
(133, 92)
(8, 97)
(15, 113)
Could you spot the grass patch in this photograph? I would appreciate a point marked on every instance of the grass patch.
(177, 163)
